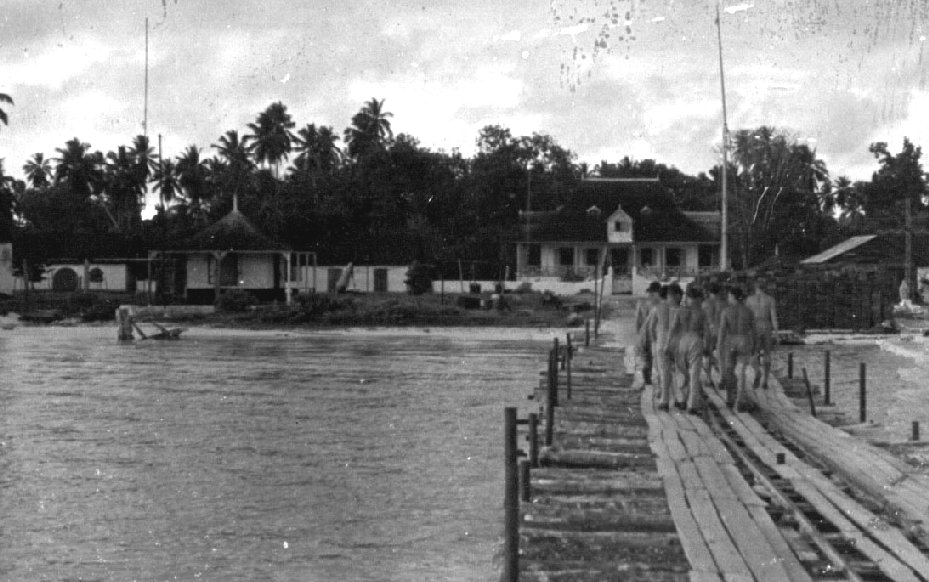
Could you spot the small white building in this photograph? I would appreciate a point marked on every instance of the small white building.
(231, 254)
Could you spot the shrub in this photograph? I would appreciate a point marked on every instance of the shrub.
(419, 278)
(235, 300)
(317, 304)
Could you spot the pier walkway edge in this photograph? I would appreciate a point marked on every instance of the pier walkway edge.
(627, 492)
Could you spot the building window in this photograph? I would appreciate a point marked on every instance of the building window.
(622, 226)
(591, 257)
(566, 256)
(705, 256)
(647, 257)
(674, 257)
(534, 256)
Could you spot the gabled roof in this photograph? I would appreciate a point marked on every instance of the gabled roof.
(232, 232)
(654, 216)
(839, 249)
(885, 249)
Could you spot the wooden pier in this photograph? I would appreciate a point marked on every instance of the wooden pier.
(628, 492)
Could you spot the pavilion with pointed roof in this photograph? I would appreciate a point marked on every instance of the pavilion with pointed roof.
(231, 254)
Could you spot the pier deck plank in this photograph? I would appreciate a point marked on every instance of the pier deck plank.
(895, 555)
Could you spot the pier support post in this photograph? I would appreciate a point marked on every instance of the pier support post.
(827, 380)
(510, 499)
(550, 414)
(862, 393)
(525, 487)
(809, 393)
(790, 365)
(553, 375)
(123, 324)
(533, 440)
(586, 332)
(915, 430)
(568, 349)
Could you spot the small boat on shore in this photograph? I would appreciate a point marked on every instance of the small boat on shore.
(164, 333)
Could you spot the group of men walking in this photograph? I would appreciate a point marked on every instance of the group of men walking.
(683, 336)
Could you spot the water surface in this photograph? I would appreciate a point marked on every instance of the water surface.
(255, 456)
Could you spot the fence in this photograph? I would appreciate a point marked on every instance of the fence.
(854, 300)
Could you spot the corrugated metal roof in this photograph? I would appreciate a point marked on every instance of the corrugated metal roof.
(839, 249)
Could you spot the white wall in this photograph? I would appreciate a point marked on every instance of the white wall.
(255, 271)
(362, 279)
(114, 276)
(198, 272)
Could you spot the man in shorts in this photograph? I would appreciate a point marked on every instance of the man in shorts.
(736, 345)
(713, 306)
(663, 348)
(642, 309)
(691, 325)
(765, 312)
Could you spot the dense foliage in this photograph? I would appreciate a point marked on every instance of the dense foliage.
(369, 195)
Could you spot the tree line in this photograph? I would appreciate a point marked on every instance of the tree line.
(369, 195)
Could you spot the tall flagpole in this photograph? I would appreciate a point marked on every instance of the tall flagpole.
(724, 227)
(145, 112)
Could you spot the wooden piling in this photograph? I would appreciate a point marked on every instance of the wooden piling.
(862, 393)
(567, 358)
(586, 332)
(553, 375)
(915, 430)
(123, 323)
(510, 499)
(809, 393)
(550, 413)
(533, 440)
(525, 489)
(827, 380)
(790, 365)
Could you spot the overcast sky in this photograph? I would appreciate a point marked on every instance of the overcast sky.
(839, 74)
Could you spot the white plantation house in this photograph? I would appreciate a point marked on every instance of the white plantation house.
(627, 229)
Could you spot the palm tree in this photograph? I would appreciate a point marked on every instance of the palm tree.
(166, 183)
(79, 169)
(370, 131)
(271, 135)
(4, 98)
(125, 188)
(38, 170)
(192, 177)
(319, 153)
(144, 158)
(237, 165)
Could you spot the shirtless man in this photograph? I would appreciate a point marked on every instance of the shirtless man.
(736, 344)
(642, 309)
(713, 306)
(657, 330)
(666, 343)
(763, 308)
(691, 325)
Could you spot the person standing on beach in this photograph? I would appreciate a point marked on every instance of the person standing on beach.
(713, 306)
(691, 325)
(736, 345)
(642, 310)
(765, 312)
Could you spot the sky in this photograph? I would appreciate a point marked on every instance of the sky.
(606, 79)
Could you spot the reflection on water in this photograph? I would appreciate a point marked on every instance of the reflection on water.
(254, 456)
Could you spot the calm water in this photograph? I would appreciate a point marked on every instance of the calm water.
(246, 456)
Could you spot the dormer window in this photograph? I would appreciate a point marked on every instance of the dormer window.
(594, 211)
(622, 226)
